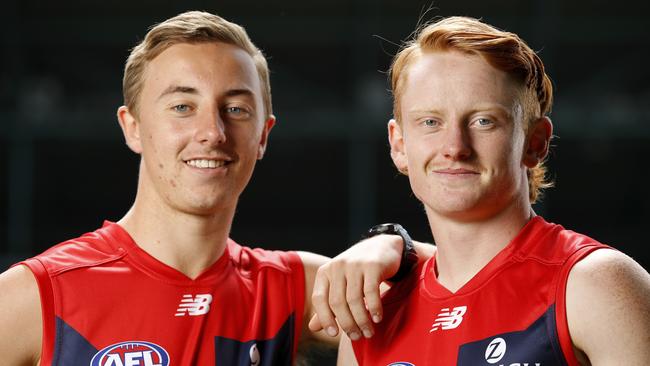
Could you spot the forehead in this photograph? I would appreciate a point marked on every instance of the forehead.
(458, 79)
(208, 67)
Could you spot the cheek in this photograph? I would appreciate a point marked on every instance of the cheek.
(167, 134)
(508, 158)
(245, 136)
(160, 149)
(420, 151)
(504, 160)
(153, 145)
(517, 144)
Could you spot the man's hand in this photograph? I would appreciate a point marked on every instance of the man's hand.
(347, 288)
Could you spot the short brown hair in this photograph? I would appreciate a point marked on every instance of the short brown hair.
(189, 27)
(505, 51)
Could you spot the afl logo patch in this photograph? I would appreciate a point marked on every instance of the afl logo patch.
(401, 364)
(131, 353)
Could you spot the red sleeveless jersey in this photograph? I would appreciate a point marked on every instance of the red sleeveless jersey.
(106, 302)
(511, 313)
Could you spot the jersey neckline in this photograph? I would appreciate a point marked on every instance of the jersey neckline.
(432, 288)
(155, 268)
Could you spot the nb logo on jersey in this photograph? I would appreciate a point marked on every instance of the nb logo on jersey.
(193, 306)
(449, 319)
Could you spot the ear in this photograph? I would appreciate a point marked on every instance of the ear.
(268, 125)
(130, 129)
(539, 138)
(397, 151)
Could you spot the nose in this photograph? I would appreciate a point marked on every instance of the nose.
(457, 144)
(211, 129)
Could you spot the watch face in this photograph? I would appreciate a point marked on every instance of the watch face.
(390, 228)
(385, 228)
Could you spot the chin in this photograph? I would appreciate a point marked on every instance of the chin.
(204, 206)
(454, 206)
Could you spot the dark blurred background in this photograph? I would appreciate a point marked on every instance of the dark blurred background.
(327, 176)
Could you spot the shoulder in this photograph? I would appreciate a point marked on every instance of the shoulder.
(608, 307)
(553, 244)
(611, 275)
(256, 259)
(20, 317)
(19, 289)
(97, 247)
(609, 271)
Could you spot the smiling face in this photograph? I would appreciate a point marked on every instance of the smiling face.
(200, 127)
(461, 138)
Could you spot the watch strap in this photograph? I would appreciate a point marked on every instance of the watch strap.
(409, 255)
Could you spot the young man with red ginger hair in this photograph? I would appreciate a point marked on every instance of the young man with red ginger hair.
(471, 131)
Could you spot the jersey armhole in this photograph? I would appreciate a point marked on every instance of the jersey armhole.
(47, 308)
(298, 278)
(562, 323)
(357, 350)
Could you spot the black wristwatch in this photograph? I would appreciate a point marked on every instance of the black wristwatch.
(409, 255)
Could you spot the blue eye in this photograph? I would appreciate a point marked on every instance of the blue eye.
(430, 123)
(484, 122)
(237, 113)
(181, 108)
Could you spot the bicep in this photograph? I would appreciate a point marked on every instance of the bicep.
(608, 309)
(20, 317)
(311, 262)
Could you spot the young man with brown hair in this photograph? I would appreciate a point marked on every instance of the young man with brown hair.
(165, 285)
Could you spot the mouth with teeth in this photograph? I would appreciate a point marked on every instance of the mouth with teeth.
(206, 163)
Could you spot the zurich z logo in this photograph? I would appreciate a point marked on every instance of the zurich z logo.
(449, 319)
(401, 364)
(495, 350)
(132, 353)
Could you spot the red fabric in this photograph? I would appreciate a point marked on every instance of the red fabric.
(109, 290)
(522, 284)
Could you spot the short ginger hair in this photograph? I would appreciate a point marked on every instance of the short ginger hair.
(504, 51)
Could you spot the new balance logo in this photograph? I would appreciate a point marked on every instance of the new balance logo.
(449, 319)
(198, 305)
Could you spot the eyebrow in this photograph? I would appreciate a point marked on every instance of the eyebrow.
(481, 107)
(173, 89)
(498, 107)
(241, 91)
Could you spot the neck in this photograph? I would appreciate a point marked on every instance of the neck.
(187, 242)
(465, 247)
